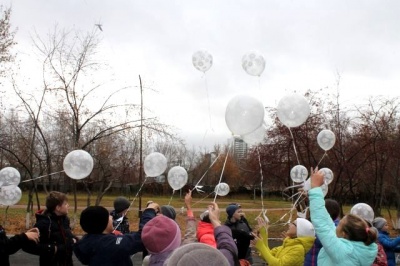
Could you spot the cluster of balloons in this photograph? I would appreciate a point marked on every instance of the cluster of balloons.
(78, 164)
(299, 174)
(10, 193)
(252, 62)
(244, 116)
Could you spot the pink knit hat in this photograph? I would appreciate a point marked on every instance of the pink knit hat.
(161, 234)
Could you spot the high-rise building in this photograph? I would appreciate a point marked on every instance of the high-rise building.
(239, 148)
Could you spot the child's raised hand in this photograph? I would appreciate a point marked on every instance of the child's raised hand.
(317, 178)
(262, 223)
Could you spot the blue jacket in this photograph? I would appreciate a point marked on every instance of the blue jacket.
(109, 249)
(336, 251)
(390, 245)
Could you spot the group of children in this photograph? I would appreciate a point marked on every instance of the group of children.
(108, 240)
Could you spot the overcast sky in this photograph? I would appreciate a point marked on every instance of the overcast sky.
(304, 43)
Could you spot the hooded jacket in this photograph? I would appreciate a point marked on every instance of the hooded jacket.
(241, 233)
(205, 234)
(55, 232)
(109, 249)
(390, 245)
(291, 252)
(336, 251)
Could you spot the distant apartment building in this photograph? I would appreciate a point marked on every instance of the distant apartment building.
(239, 148)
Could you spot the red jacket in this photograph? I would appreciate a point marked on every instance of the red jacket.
(205, 234)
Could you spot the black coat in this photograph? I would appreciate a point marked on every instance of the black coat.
(241, 233)
(11, 245)
(55, 232)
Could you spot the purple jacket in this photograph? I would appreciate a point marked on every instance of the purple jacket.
(225, 243)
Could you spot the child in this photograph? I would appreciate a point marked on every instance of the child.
(205, 231)
(299, 239)
(56, 239)
(100, 247)
(120, 221)
(390, 245)
(350, 243)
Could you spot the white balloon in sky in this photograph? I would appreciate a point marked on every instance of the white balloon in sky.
(244, 114)
(10, 195)
(155, 164)
(9, 176)
(293, 110)
(222, 189)
(177, 177)
(253, 63)
(298, 173)
(326, 139)
(78, 164)
(256, 137)
(202, 60)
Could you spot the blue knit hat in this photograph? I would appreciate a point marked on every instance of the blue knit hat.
(230, 210)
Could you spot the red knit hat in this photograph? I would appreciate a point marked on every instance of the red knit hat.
(161, 234)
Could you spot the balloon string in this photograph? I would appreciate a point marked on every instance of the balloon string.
(261, 182)
(322, 158)
(207, 170)
(129, 208)
(41, 176)
(173, 191)
(208, 100)
(202, 199)
(294, 146)
(223, 168)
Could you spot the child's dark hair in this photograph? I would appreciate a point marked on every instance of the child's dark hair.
(54, 199)
(333, 208)
(357, 229)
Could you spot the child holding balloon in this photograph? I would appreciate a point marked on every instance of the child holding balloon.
(352, 242)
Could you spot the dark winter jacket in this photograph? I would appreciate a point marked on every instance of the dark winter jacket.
(123, 226)
(241, 233)
(10, 245)
(55, 231)
(110, 249)
(390, 245)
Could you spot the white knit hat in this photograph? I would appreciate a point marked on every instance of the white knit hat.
(304, 228)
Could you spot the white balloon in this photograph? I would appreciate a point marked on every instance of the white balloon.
(78, 164)
(307, 187)
(326, 139)
(10, 195)
(244, 114)
(293, 110)
(328, 175)
(222, 189)
(298, 173)
(364, 211)
(177, 177)
(256, 137)
(9, 176)
(253, 63)
(202, 60)
(155, 164)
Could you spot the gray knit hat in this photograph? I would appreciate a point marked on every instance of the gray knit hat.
(168, 211)
(379, 223)
(121, 204)
(196, 254)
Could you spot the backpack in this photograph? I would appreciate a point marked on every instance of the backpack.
(381, 259)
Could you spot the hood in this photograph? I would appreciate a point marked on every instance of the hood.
(205, 234)
(364, 254)
(305, 241)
